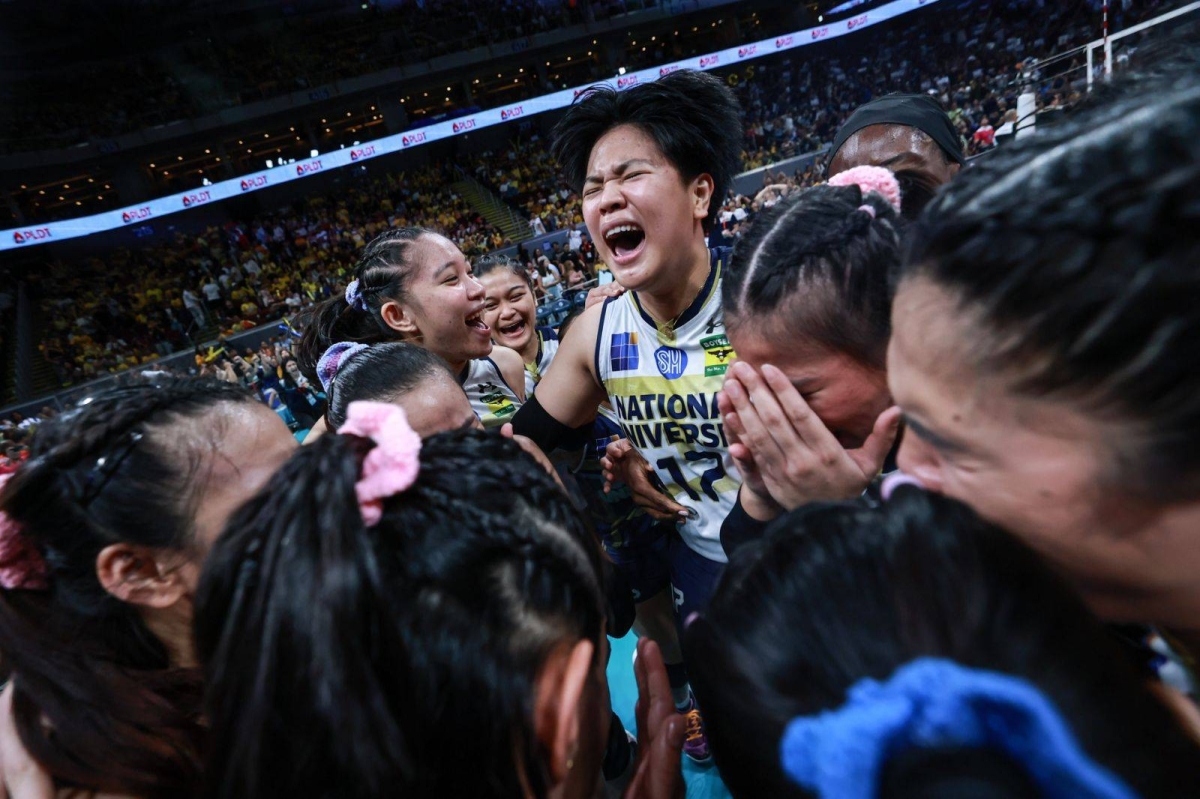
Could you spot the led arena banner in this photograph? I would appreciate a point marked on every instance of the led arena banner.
(165, 206)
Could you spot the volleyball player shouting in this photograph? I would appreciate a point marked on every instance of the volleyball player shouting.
(652, 164)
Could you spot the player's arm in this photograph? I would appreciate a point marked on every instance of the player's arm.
(569, 392)
(512, 369)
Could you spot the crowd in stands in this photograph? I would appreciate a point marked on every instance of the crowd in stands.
(129, 307)
(101, 323)
(898, 495)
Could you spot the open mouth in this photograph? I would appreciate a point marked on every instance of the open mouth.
(626, 242)
(475, 321)
(515, 329)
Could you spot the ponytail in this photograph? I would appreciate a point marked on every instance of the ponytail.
(820, 266)
(382, 274)
(349, 661)
(96, 701)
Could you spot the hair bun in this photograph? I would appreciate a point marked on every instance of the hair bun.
(871, 179)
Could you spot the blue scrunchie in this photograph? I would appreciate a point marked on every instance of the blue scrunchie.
(931, 703)
(354, 297)
(332, 360)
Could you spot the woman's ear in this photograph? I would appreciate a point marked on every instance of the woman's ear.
(558, 705)
(702, 194)
(400, 319)
(141, 576)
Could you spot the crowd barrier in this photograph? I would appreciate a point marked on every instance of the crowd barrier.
(34, 235)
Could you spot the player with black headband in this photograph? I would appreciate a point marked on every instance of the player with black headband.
(910, 134)
(652, 164)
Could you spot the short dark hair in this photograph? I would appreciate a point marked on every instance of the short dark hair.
(827, 265)
(692, 116)
(493, 261)
(1073, 254)
(381, 373)
(838, 592)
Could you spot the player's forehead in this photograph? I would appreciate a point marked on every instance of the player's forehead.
(623, 147)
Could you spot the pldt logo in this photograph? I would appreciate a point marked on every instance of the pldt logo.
(465, 124)
(665, 71)
(627, 81)
(362, 152)
(709, 61)
(136, 215)
(256, 182)
(512, 113)
(309, 168)
(34, 234)
(746, 52)
(820, 33)
(584, 90)
(414, 138)
(784, 41)
(857, 22)
(199, 198)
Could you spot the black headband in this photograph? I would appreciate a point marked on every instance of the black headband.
(918, 111)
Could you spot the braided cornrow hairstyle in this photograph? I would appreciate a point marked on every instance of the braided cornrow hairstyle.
(383, 273)
(382, 373)
(351, 662)
(1073, 256)
(114, 470)
(819, 267)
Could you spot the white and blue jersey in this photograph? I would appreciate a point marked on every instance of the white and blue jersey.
(493, 401)
(663, 386)
(547, 348)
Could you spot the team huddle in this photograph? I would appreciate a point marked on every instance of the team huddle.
(897, 494)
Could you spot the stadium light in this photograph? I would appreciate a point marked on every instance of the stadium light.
(313, 153)
(621, 71)
(270, 163)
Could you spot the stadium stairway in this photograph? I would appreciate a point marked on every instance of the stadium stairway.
(493, 209)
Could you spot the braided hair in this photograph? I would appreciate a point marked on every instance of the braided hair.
(382, 372)
(120, 719)
(385, 653)
(1072, 258)
(819, 266)
(837, 592)
(383, 272)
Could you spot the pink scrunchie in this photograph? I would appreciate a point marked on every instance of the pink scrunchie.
(871, 179)
(21, 565)
(392, 466)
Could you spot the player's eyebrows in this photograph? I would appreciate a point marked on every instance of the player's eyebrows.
(619, 169)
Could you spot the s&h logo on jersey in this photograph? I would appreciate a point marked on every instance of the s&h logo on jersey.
(627, 81)
(412, 138)
(717, 355)
(709, 61)
(465, 124)
(670, 361)
(623, 352)
(784, 41)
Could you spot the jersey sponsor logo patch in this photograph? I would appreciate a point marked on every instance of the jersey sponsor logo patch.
(717, 355)
(671, 362)
(623, 352)
(495, 400)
